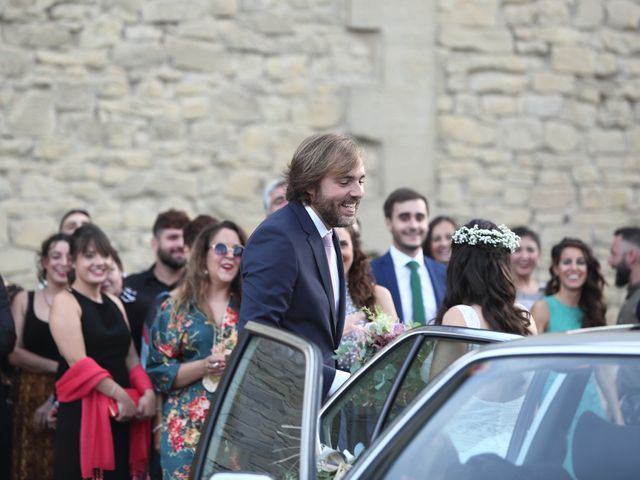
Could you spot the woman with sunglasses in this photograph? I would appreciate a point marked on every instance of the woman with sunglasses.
(188, 340)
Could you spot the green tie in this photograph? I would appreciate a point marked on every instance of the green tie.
(416, 294)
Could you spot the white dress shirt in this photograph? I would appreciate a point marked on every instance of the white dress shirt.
(333, 265)
(403, 276)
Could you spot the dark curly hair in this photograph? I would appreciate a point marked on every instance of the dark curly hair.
(361, 283)
(44, 252)
(481, 275)
(591, 300)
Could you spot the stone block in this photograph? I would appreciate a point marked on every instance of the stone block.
(516, 196)
(520, 133)
(45, 35)
(14, 62)
(135, 159)
(633, 138)
(557, 35)
(579, 113)
(240, 185)
(532, 47)
(520, 14)
(74, 96)
(589, 14)
(561, 137)
(620, 41)
(194, 107)
(466, 129)
(479, 13)
(553, 12)
(324, 111)
(543, 105)
(548, 82)
(5, 188)
(223, 8)
(606, 197)
(115, 175)
(616, 113)
(553, 197)
(286, 66)
(15, 260)
(485, 40)
(606, 141)
(497, 82)
(195, 55)
(235, 104)
(168, 11)
(138, 54)
(586, 174)
(484, 186)
(103, 32)
(623, 14)
(33, 114)
(555, 177)
(574, 60)
(606, 65)
(499, 105)
(272, 23)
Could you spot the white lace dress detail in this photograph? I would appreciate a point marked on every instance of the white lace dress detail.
(471, 318)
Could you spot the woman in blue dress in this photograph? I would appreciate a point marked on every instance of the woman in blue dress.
(193, 332)
(574, 295)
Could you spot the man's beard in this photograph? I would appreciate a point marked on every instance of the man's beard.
(171, 262)
(329, 212)
(623, 273)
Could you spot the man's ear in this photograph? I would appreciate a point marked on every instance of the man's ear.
(387, 223)
(154, 243)
(312, 194)
(633, 256)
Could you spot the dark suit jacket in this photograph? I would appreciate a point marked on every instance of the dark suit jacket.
(286, 282)
(385, 275)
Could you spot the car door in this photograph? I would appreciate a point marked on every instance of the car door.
(380, 390)
(264, 416)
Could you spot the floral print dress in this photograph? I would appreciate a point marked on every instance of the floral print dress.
(179, 337)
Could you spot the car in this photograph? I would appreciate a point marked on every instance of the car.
(554, 406)
(364, 405)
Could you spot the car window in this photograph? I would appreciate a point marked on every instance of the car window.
(381, 391)
(258, 428)
(555, 417)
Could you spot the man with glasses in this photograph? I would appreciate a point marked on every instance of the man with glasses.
(292, 272)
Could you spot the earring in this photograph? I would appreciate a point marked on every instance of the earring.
(205, 272)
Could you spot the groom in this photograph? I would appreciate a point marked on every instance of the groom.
(292, 272)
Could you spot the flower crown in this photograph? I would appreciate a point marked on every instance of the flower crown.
(502, 237)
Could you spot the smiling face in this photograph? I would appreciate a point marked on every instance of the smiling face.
(91, 267)
(525, 259)
(441, 241)
(337, 198)
(408, 225)
(169, 247)
(223, 268)
(57, 263)
(346, 248)
(571, 269)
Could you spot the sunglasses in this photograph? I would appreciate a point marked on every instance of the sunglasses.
(222, 250)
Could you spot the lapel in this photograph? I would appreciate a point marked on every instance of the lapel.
(390, 272)
(315, 243)
(342, 293)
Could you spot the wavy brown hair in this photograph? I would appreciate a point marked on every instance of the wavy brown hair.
(591, 300)
(195, 282)
(317, 156)
(360, 279)
(481, 275)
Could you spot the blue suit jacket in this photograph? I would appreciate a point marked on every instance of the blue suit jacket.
(286, 282)
(385, 275)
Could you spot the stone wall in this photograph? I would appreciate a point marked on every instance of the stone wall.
(539, 116)
(522, 111)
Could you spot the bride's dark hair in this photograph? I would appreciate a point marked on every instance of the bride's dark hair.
(481, 274)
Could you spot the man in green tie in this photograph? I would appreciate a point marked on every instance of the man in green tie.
(416, 282)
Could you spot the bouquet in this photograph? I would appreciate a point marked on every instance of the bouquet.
(366, 340)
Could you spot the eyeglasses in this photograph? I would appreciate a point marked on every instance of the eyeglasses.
(222, 250)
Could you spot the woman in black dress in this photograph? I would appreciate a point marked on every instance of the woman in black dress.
(92, 334)
(36, 357)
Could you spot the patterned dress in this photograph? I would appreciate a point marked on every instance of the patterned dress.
(179, 337)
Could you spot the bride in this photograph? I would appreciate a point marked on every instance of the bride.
(480, 288)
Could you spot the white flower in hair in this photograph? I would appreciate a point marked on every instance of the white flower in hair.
(500, 237)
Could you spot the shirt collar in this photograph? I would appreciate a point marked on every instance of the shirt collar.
(401, 259)
(320, 226)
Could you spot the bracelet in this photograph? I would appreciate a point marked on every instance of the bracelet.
(156, 428)
(113, 389)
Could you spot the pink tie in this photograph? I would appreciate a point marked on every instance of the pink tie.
(327, 241)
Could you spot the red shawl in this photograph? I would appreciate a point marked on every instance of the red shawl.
(96, 441)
